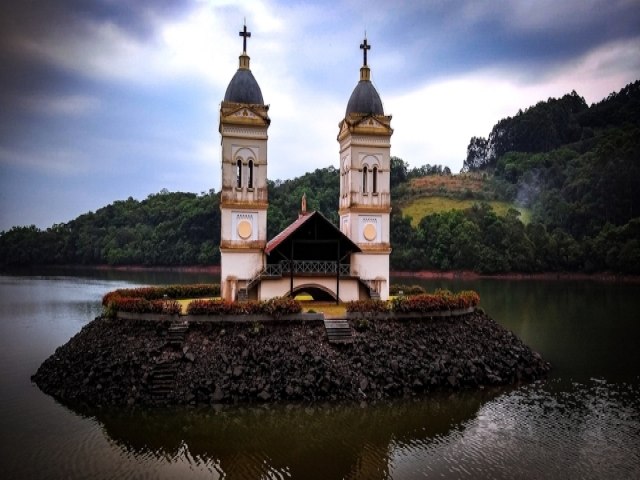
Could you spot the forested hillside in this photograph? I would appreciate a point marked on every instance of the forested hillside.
(574, 168)
(164, 229)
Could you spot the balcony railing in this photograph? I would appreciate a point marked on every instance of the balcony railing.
(306, 266)
(301, 267)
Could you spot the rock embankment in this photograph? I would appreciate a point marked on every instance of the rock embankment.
(116, 362)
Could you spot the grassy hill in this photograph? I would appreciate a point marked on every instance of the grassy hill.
(442, 193)
(426, 205)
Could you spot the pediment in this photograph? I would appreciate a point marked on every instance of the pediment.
(244, 114)
(370, 122)
(365, 125)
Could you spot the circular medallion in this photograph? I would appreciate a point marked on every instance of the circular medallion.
(370, 232)
(244, 229)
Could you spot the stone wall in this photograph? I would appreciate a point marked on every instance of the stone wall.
(116, 362)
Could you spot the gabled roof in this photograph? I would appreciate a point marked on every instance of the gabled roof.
(302, 220)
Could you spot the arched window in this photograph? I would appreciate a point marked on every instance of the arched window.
(250, 174)
(239, 173)
(365, 173)
(374, 182)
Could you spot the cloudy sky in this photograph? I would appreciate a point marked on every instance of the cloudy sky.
(105, 99)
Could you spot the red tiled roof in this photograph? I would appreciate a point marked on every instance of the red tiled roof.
(301, 220)
(284, 234)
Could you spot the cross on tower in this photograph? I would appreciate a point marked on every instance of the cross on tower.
(245, 35)
(365, 46)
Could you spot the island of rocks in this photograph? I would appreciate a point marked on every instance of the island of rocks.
(112, 361)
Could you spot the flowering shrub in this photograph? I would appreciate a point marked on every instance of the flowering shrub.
(468, 298)
(274, 307)
(360, 306)
(154, 299)
(140, 305)
(441, 300)
(434, 302)
(159, 293)
(281, 306)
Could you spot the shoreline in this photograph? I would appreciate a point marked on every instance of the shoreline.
(471, 275)
(420, 274)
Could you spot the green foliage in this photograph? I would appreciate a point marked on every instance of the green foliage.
(399, 171)
(418, 208)
(397, 289)
(168, 228)
(541, 128)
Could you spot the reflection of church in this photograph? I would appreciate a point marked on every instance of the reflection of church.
(311, 255)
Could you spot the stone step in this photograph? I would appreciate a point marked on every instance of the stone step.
(176, 333)
(169, 383)
(165, 366)
(338, 331)
(178, 328)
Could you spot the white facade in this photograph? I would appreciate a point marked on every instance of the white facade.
(365, 194)
(364, 206)
(243, 201)
(350, 288)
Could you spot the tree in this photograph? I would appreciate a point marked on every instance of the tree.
(399, 171)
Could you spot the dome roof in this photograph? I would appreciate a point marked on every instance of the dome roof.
(244, 88)
(365, 100)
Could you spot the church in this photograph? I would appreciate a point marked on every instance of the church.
(339, 263)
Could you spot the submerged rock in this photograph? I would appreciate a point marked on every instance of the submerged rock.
(115, 362)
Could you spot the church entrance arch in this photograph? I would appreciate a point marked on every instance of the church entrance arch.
(319, 293)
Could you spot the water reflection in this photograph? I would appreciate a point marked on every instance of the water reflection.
(543, 430)
(319, 442)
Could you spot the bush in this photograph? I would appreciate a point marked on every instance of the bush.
(274, 307)
(154, 299)
(361, 306)
(441, 300)
(396, 288)
(140, 305)
(159, 293)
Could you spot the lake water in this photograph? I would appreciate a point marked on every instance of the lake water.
(583, 422)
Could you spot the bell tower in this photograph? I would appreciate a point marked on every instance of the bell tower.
(365, 197)
(244, 122)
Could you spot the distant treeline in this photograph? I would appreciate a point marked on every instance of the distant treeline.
(576, 167)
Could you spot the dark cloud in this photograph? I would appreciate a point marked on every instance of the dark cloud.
(46, 17)
(25, 25)
(442, 38)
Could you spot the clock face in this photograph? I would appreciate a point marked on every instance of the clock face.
(244, 229)
(370, 232)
